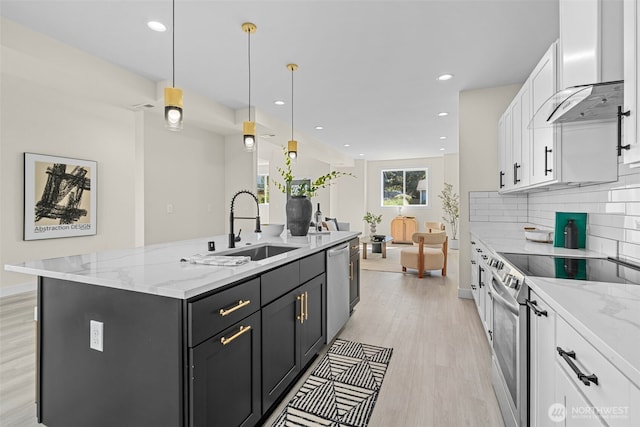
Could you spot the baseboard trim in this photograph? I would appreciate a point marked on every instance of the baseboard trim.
(23, 288)
(465, 293)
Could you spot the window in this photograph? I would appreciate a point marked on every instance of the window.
(263, 189)
(404, 187)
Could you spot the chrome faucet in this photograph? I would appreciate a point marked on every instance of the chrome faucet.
(232, 236)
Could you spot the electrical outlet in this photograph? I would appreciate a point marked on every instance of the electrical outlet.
(169, 208)
(96, 335)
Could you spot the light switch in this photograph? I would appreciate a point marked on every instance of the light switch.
(96, 335)
(169, 208)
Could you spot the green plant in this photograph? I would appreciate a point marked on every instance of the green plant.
(450, 207)
(370, 218)
(310, 190)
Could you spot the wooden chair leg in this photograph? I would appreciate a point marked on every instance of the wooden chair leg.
(421, 257)
(404, 269)
(445, 249)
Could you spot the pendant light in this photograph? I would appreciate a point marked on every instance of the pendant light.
(172, 95)
(292, 145)
(249, 127)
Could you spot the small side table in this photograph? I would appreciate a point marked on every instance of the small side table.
(383, 245)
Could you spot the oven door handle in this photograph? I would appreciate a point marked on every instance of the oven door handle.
(514, 308)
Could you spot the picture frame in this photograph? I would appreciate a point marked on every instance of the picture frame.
(294, 188)
(60, 195)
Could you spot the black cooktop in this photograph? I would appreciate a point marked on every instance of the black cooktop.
(596, 269)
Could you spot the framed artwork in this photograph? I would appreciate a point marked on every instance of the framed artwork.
(296, 185)
(59, 197)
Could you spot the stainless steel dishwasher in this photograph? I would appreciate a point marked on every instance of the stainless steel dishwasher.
(337, 289)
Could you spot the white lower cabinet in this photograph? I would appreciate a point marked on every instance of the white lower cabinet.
(480, 285)
(570, 382)
(542, 371)
(570, 402)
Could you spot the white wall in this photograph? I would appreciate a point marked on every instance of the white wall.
(436, 179)
(348, 202)
(478, 112)
(49, 106)
(187, 171)
(60, 101)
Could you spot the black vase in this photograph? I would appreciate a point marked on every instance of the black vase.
(571, 235)
(299, 210)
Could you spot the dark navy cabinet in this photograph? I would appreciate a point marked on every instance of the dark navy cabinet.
(225, 377)
(223, 358)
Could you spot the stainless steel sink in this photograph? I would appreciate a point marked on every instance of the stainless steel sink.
(257, 253)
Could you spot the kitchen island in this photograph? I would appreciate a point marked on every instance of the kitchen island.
(138, 337)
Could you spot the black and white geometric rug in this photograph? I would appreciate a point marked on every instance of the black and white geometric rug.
(342, 389)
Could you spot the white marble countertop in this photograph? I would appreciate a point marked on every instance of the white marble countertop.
(156, 269)
(605, 314)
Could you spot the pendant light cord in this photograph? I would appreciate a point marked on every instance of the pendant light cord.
(173, 45)
(249, 50)
(292, 103)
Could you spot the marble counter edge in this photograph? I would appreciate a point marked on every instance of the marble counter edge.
(234, 274)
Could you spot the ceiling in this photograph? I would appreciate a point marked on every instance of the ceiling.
(367, 69)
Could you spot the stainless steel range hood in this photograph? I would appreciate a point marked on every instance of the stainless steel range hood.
(599, 101)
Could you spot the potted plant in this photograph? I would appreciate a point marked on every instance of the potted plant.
(372, 220)
(451, 209)
(299, 208)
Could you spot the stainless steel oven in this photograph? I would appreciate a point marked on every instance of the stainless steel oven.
(509, 370)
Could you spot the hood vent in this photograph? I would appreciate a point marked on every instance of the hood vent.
(598, 101)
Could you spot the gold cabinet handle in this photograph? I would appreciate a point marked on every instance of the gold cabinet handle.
(225, 312)
(301, 299)
(306, 306)
(242, 330)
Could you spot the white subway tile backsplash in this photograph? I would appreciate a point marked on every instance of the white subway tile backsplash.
(613, 212)
(490, 206)
(613, 221)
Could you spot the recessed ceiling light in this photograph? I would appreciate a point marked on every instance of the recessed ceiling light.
(157, 26)
(442, 149)
(443, 137)
(444, 77)
(361, 154)
(319, 127)
(442, 114)
(347, 145)
(278, 102)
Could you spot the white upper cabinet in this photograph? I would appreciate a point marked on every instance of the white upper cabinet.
(543, 141)
(631, 87)
(535, 151)
(520, 117)
(590, 42)
(505, 174)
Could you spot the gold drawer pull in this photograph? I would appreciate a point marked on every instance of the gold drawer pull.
(242, 330)
(301, 299)
(238, 306)
(306, 306)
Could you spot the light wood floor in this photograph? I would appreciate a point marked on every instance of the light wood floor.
(439, 374)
